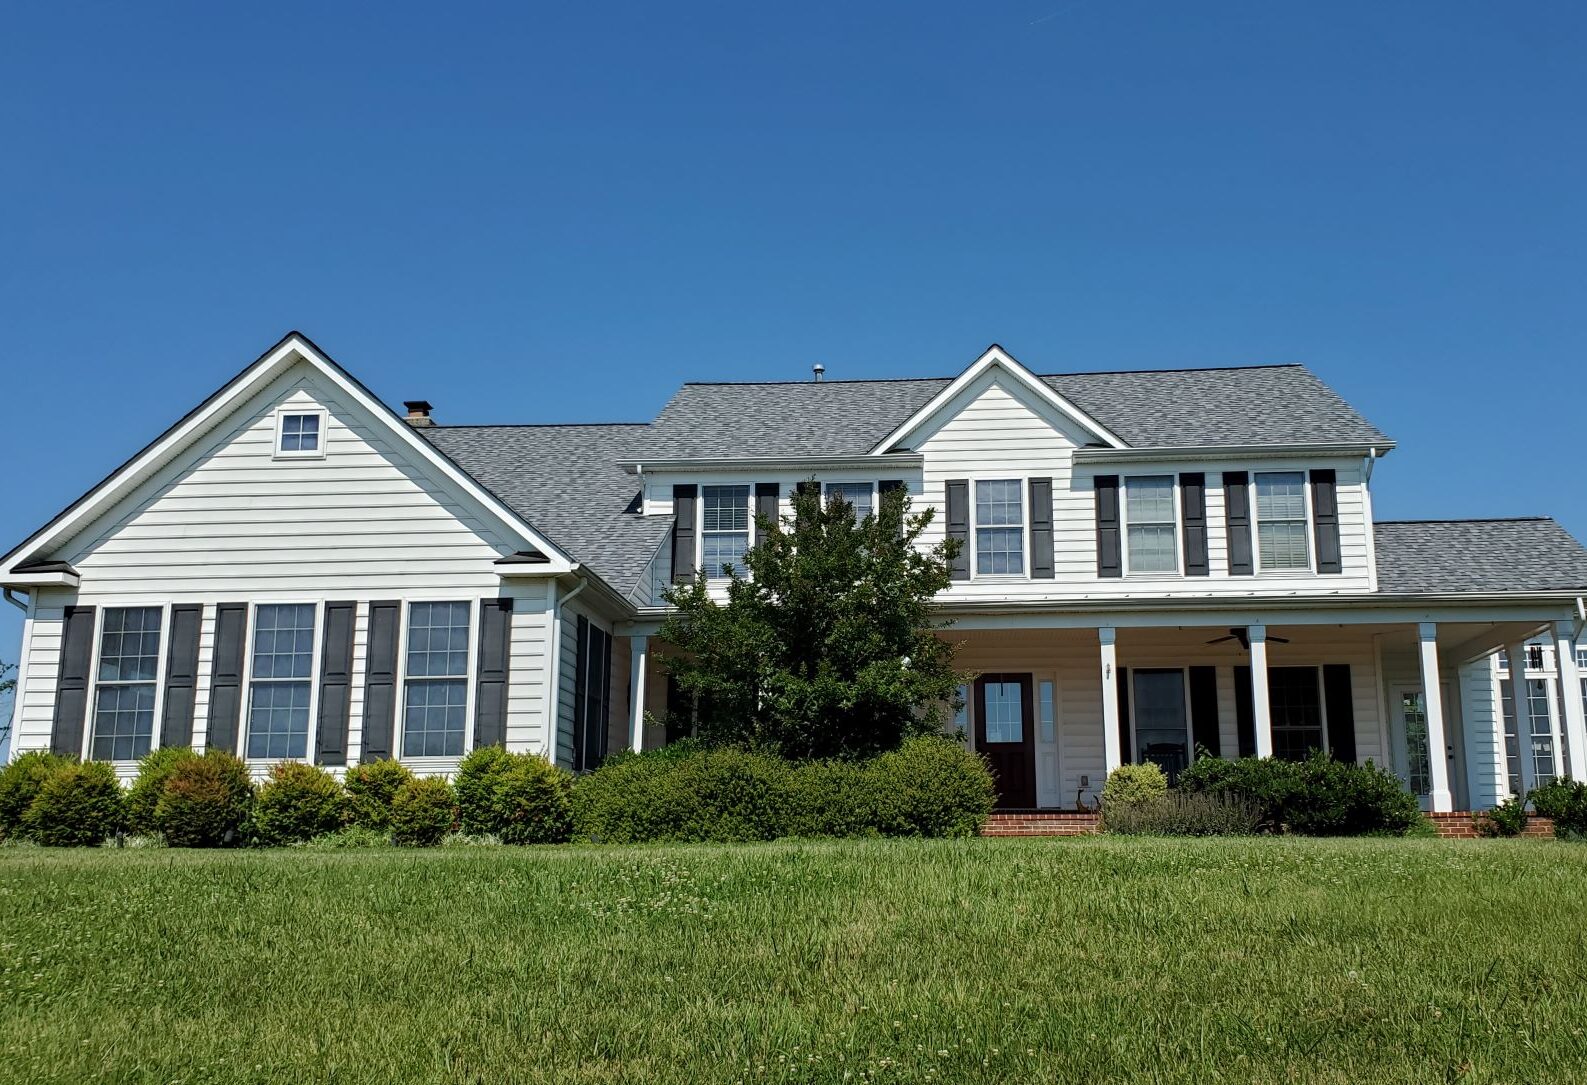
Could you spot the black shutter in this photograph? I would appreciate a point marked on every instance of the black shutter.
(581, 670)
(1110, 559)
(495, 654)
(958, 525)
(684, 496)
(1204, 709)
(1126, 751)
(225, 683)
(336, 684)
(71, 683)
(1237, 512)
(1325, 519)
(604, 716)
(1041, 563)
(181, 674)
(380, 680)
(766, 494)
(1339, 696)
(1244, 711)
(1193, 496)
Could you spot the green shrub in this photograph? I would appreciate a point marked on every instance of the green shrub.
(349, 836)
(1565, 801)
(298, 802)
(77, 806)
(1506, 819)
(1315, 797)
(1183, 813)
(206, 802)
(831, 799)
(423, 811)
(932, 786)
(19, 786)
(370, 788)
(153, 771)
(1132, 785)
(520, 797)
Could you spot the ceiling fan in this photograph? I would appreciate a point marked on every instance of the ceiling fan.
(1239, 633)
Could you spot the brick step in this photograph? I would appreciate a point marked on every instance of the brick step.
(1040, 823)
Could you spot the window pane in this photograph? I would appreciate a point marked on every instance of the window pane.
(1281, 495)
(1150, 499)
(283, 644)
(1418, 764)
(1049, 720)
(1000, 534)
(300, 433)
(1295, 700)
(724, 549)
(998, 503)
(857, 494)
(1005, 720)
(1000, 550)
(123, 722)
(129, 645)
(433, 717)
(1153, 548)
(1283, 545)
(437, 640)
(278, 720)
(726, 508)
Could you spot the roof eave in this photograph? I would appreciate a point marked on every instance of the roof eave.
(776, 463)
(1233, 452)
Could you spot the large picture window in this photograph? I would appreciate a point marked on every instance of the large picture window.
(999, 528)
(1281, 529)
(280, 682)
(129, 666)
(435, 686)
(1152, 527)
(724, 528)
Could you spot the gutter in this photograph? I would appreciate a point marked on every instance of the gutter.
(738, 464)
(1229, 452)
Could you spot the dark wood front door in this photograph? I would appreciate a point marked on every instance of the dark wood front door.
(1004, 735)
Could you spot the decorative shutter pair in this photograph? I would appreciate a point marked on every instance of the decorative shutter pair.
(1338, 702)
(1041, 527)
(1325, 521)
(1193, 524)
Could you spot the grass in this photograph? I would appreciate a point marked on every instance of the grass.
(974, 961)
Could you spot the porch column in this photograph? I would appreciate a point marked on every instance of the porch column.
(638, 663)
(1112, 754)
(1527, 769)
(1433, 698)
(1261, 705)
(1570, 699)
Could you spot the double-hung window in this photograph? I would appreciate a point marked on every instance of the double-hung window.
(859, 495)
(435, 689)
(999, 527)
(724, 528)
(281, 678)
(129, 666)
(1281, 522)
(1152, 527)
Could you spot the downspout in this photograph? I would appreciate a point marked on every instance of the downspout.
(1581, 619)
(10, 597)
(554, 692)
(1369, 463)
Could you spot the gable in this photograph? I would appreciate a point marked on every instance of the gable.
(995, 411)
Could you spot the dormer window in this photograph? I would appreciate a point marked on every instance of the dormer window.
(300, 434)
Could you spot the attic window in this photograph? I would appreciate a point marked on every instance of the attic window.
(300, 434)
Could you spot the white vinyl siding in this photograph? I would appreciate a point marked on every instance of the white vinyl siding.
(1151, 526)
(1282, 525)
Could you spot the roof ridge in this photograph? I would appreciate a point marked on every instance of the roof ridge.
(1470, 520)
(529, 425)
(1041, 376)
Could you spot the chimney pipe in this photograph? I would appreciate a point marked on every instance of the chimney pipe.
(418, 413)
(819, 370)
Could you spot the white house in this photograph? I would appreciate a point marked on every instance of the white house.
(1153, 561)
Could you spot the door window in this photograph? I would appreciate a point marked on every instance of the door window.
(1418, 761)
(1004, 712)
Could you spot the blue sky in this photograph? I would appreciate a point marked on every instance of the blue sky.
(540, 213)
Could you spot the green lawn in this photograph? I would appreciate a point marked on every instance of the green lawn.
(1011, 961)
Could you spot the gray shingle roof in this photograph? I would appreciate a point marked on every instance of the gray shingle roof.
(567, 482)
(1277, 404)
(1452, 556)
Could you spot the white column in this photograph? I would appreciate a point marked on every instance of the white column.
(1527, 769)
(1433, 697)
(1570, 699)
(1261, 704)
(638, 661)
(1112, 753)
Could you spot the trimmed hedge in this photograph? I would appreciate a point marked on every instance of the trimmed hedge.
(78, 806)
(423, 811)
(1133, 785)
(371, 787)
(206, 802)
(1315, 797)
(20, 782)
(298, 802)
(685, 792)
(154, 770)
(520, 797)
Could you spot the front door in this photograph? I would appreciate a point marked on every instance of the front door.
(1003, 736)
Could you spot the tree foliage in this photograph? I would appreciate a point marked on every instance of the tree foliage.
(826, 648)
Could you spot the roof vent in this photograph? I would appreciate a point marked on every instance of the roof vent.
(819, 370)
(418, 413)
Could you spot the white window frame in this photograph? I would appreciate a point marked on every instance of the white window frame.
(1310, 525)
(1178, 524)
(975, 524)
(469, 680)
(162, 661)
(282, 414)
(826, 491)
(1326, 743)
(311, 740)
(1134, 752)
(717, 576)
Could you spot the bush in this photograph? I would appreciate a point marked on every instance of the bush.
(77, 806)
(1315, 797)
(298, 802)
(1506, 819)
(831, 799)
(20, 782)
(423, 811)
(206, 802)
(1183, 813)
(932, 786)
(520, 797)
(153, 771)
(1132, 785)
(370, 788)
(1566, 802)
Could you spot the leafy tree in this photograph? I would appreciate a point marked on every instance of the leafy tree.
(8, 687)
(827, 647)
